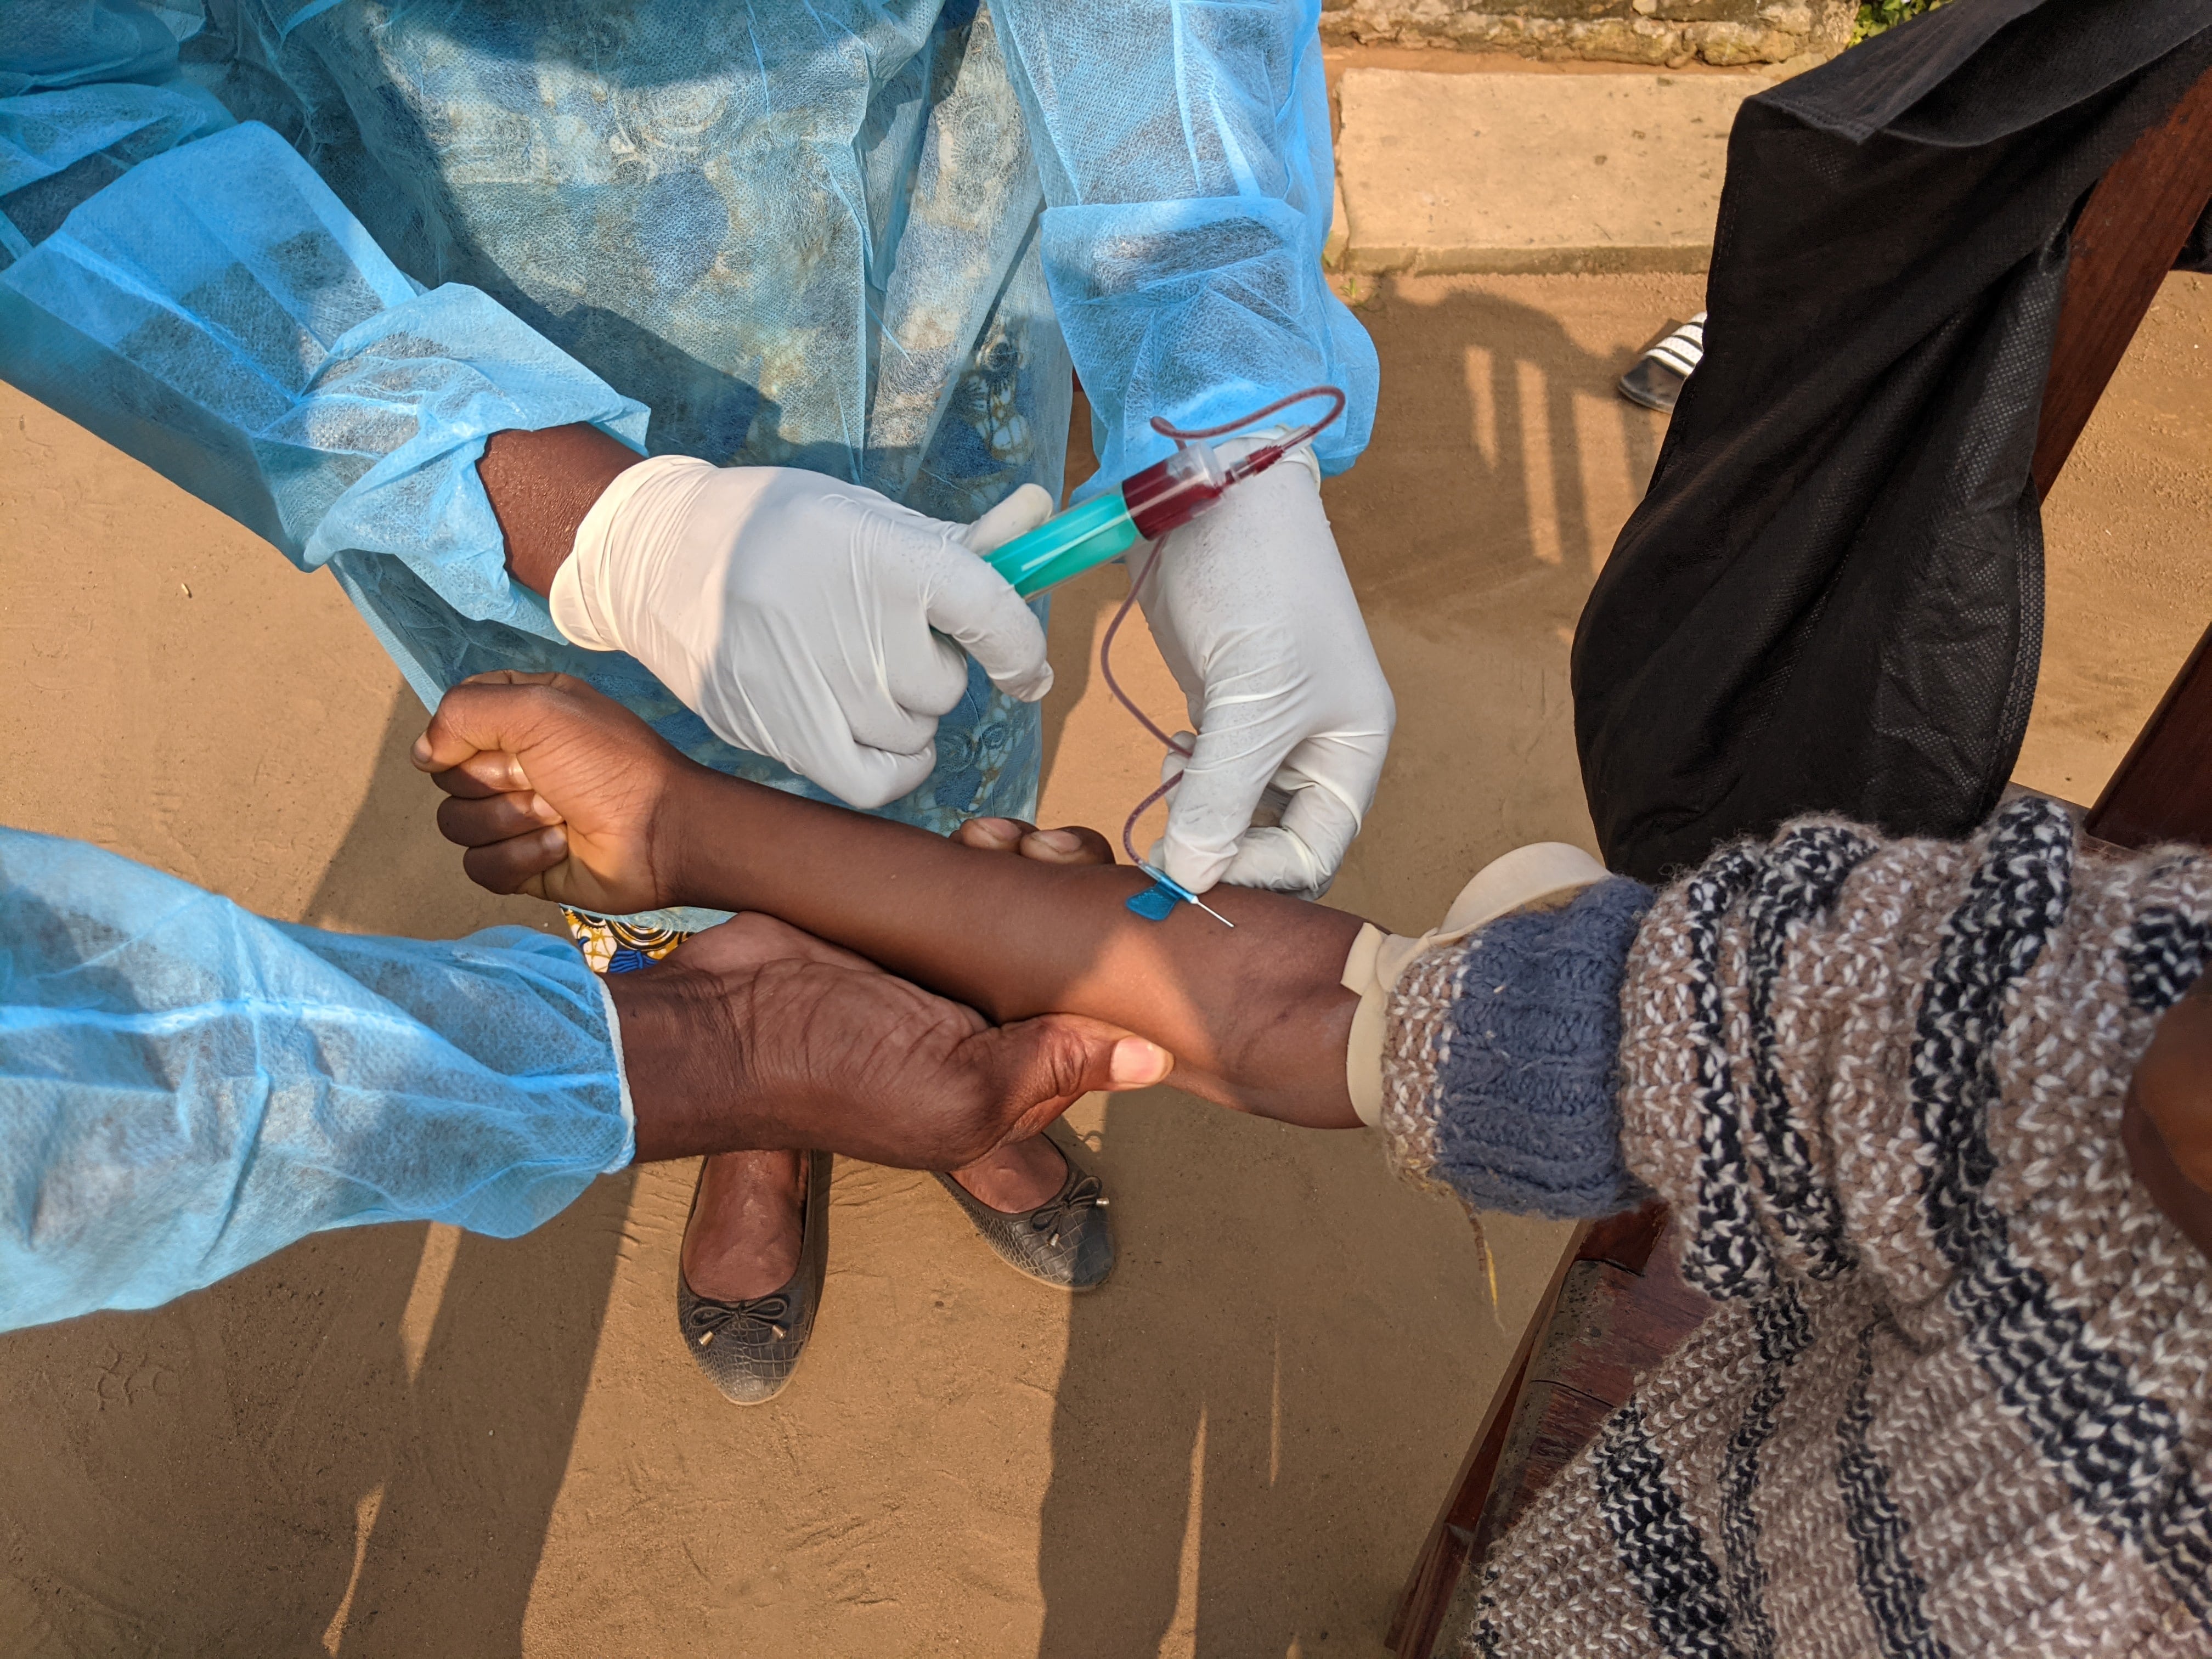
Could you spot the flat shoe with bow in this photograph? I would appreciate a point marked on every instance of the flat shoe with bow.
(749, 1349)
(1063, 1242)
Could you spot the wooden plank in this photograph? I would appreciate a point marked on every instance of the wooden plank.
(1620, 1245)
(1554, 1423)
(1436, 1570)
(2130, 231)
(2163, 790)
(1610, 1327)
(1442, 1560)
(1626, 1240)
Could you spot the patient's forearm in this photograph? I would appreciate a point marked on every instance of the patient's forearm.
(1255, 1015)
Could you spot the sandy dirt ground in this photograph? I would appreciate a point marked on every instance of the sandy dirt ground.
(2127, 581)
(406, 1442)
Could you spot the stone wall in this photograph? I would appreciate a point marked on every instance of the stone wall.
(1661, 33)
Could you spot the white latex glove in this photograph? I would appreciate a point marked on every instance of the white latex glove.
(802, 618)
(1253, 611)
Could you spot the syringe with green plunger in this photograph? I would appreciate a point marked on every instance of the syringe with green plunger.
(1164, 496)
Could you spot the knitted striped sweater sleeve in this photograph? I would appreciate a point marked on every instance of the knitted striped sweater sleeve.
(1842, 1053)
(1571, 1062)
(1955, 1396)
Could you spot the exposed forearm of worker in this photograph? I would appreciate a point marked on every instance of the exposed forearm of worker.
(1255, 1014)
(541, 485)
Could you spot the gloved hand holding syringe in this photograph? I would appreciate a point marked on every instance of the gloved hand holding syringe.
(1148, 505)
(690, 568)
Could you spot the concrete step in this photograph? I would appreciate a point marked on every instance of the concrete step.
(1531, 172)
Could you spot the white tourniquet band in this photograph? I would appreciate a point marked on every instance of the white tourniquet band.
(1539, 876)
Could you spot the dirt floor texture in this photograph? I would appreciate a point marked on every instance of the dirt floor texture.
(406, 1442)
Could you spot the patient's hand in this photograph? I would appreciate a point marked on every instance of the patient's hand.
(1072, 845)
(507, 746)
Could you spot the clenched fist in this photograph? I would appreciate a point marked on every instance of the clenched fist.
(558, 792)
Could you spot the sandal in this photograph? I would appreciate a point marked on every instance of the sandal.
(1657, 377)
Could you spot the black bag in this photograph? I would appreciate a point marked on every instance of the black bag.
(1831, 599)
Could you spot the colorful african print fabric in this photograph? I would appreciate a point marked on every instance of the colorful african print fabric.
(618, 945)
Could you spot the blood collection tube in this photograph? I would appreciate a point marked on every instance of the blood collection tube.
(1164, 496)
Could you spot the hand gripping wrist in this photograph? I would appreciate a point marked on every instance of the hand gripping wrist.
(813, 621)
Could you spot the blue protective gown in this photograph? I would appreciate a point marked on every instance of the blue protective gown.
(185, 1087)
(303, 256)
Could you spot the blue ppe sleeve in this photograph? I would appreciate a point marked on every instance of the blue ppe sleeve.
(187, 1087)
(217, 313)
(59, 148)
(1188, 182)
(47, 44)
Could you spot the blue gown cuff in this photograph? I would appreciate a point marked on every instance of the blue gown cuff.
(217, 313)
(191, 1087)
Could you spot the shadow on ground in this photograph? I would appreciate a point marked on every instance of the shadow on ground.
(395, 1404)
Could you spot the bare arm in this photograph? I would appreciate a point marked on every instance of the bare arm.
(1255, 1011)
(561, 793)
(541, 485)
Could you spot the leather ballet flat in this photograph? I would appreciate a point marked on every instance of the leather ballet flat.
(1065, 1241)
(749, 1349)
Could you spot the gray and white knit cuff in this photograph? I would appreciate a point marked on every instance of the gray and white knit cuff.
(1541, 875)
